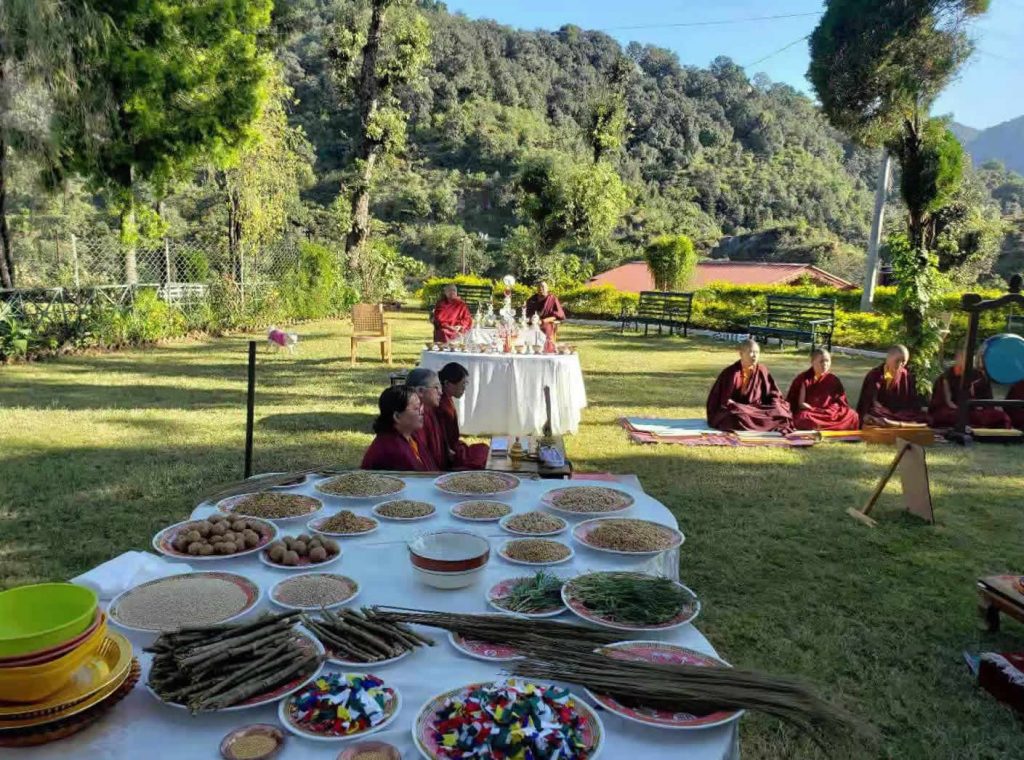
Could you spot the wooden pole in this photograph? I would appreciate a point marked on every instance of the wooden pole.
(862, 514)
(250, 406)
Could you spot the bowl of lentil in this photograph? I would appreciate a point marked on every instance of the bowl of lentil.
(585, 500)
(271, 505)
(477, 483)
(314, 591)
(360, 485)
(260, 741)
(535, 523)
(535, 551)
(480, 510)
(622, 535)
(344, 524)
(186, 600)
(404, 509)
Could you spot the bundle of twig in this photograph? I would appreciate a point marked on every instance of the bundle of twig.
(363, 636)
(218, 666)
(500, 628)
(680, 688)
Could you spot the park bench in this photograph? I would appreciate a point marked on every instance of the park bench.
(474, 295)
(802, 319)
(187, 293)
(1015, 324)
(661, 308)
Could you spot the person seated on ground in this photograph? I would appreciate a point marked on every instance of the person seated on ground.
(546, 305)
(425, 383)
(454, 379)
(745, 396)
(1016, 414)
(888, 396)
(943, 409)
(451, 316)
(395, 447)
(817, 398)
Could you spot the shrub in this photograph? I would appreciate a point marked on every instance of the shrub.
(671, 260)
(314, 287)
(603, 301)
(430, 292)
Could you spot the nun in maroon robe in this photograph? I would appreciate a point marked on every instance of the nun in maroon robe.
(425, 383)
(395, 446)
(746, 397)
(463, 456)
(1016, 413)
(546, 305)
(943, 410)
(888, 396)
(818, 399)
(451, 316)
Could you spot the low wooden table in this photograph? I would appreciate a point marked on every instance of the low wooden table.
(999, 593)
(503, 463)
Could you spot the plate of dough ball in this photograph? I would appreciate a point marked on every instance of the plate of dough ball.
(215, 537)
(300, 552)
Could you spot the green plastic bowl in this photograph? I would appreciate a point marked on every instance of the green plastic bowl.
(43, 616)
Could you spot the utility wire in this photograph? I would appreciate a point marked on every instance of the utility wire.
(775, 53)
(718, 22)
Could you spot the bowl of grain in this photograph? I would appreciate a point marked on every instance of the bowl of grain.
(271, 505)
(314, 591)
(535, 551)
(404, 510)
(449, 559)
(360, 486)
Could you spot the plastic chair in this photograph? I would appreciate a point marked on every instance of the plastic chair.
(369, 326)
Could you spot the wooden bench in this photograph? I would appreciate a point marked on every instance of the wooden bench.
(662, 308)
(474, 295)
(796, 317)
(1015, 324)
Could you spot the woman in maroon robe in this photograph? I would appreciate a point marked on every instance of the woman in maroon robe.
(451, 316)
(745, 396)
(943, 410)
(546, 305)
(1016, 413)
(818, 399)
(395, 447)
(462, 456)
(425, 383)
(888, 397)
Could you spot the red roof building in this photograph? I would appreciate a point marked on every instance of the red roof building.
(634, 276)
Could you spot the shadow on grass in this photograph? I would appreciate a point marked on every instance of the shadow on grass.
(318, 421)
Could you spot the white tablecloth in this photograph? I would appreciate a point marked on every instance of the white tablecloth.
(140, 726)
(506, 391)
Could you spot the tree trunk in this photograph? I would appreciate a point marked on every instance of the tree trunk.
(235, 231)
(369, 150)
(6, 249)
(867, 298)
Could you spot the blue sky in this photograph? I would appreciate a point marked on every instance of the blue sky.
(987, 92)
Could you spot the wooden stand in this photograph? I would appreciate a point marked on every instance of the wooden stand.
(917, 496)
(999, 593)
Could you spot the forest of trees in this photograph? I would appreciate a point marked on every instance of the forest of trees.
(541, 153)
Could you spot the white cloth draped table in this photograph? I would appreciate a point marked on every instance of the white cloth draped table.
(505, 394)
(142, 726)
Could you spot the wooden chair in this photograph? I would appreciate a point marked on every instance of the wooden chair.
(369, 326)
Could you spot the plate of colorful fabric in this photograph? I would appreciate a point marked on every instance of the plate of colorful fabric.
(507, 721)
(339, 706)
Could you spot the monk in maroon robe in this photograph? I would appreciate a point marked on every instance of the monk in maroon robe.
(462, 456)
(451, 316)
(818, 399)
(746, 397)
(546, 305)
(1016, 413)
(888, 396)
(395, 447)
(943, 409)
(425, 383)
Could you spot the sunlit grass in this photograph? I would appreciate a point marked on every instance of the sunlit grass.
(99, 452)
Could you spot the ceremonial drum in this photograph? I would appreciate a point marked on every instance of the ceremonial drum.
(1004, 358)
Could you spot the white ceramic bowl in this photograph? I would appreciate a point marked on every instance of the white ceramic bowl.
(449, 558)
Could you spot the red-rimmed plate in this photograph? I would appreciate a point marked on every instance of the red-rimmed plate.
(689, 610)
(662, 653)
(428, 740)
(502, 552)
(235, 505)
(392, 487)
(506, 525)
(483, 650)
(598, 500)
(381, 515)
(317, 527)
(457, 484)
(163, 541)
(305, 641)
(457, 510)
(249, 588)
(392, 707)
(351, 584)
(305, 563)
(502, 589)
(671, 538)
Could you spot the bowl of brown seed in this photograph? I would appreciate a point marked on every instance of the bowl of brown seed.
(480, 510)
(314, 591)
(360, 485)
(623, 535)
(534, 523)
(260, 741)
(535, 551)
(344, 524)
(271, 505)
(587, 500)
(477, 483)
(404, 509)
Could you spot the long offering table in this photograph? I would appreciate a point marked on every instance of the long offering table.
(141, 726)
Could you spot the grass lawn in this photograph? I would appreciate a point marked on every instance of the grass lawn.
(99, 452)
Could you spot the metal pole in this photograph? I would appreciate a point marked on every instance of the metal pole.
(250, 406)
(867, 297)
(74, 258)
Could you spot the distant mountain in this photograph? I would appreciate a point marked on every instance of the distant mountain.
(1003, 142)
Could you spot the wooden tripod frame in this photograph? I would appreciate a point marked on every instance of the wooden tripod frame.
(914, 475)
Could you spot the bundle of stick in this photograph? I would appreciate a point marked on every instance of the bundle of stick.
(214, 667)
(363, 636)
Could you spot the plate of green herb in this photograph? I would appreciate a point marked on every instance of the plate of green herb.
(630, 601)
(538, 595)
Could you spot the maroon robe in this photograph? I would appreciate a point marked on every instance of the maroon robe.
(941, 415)
(391, 451)
(431, 440)
(827, 397)
(467, 456)
(544, 307)
(759, 407)
(449, 315)
(897, 401)
(1016, 414)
